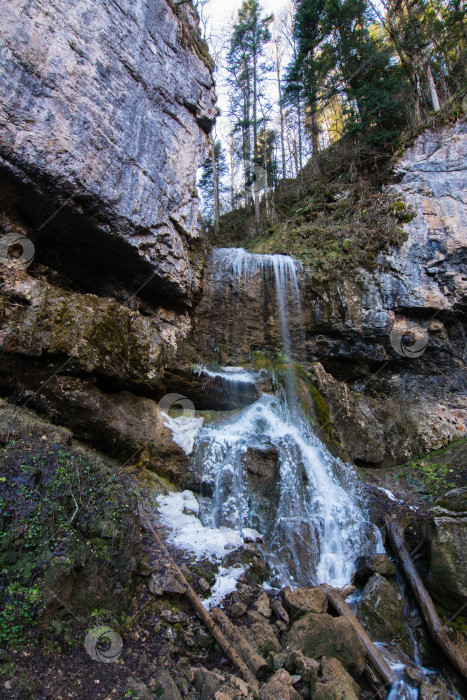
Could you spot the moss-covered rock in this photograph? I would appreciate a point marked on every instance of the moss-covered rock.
(263, 639)
(334, 682)
(381, 611)
(128, 427)
(70, 536)
(98, 336)
(447, 534)
(318, 635)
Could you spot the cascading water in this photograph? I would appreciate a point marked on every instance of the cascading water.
(310, 517)
(264, 470)
(312, 526)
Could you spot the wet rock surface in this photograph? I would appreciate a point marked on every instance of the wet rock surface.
(334, 682)
(447, 534)
(366, 567)
(384, 405)
(381, 610)
(318, 635)
(304, 600)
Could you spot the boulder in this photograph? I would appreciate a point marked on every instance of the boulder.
(237, 609)
(207, 683)
(335, 683)
(138, 691)
(128, 427)
(438, 691)
(277, 661)
(211, 393)
(304, 600)
(279, 687)
(381, 610)
(164, 686)
(304, 666)
(318, 635)
(249, 556)
(262, 606)
(367, 566)
(203, 639)
(454, 500)
(262, 638)
(447, 536)
(165, 582)
(254, 616)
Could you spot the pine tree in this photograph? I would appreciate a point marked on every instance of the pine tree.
(305, 73)
(211, 184)
(249, 37)
(342, 52)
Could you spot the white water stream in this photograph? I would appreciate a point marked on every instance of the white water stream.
(311, 518)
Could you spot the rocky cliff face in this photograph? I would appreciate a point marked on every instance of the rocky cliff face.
(106, 192)
(104, 112)
(396, 334)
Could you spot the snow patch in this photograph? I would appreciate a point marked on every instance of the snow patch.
(187, 532)
(230, 374)
(184, 430)
(389, 494)
(226, 583)
(250, 535)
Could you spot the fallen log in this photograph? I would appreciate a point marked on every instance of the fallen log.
(376, 659)
(201, 611)
(257, 665)
(435, 625)
(374, 681)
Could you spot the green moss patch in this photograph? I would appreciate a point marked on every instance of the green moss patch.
(68, 535)
(424, 479)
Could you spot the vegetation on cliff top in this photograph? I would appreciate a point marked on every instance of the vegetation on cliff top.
(321, 72)
(335, 220)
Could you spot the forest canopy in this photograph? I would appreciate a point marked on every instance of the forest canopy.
(361, 71)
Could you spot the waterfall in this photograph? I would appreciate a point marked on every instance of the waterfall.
(265, 474)
(307, 508)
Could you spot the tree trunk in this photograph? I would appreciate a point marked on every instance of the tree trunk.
(298, 105)
(316, 166)
(257, 665)
(433, 91)
(431, 617)
(255, 131)
(295, 155)
(215, 176)
(378, 662)
(232, 188)
(247, 151)
(281, 110)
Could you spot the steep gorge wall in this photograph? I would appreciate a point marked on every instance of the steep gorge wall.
(105, 114)
(104, 111)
